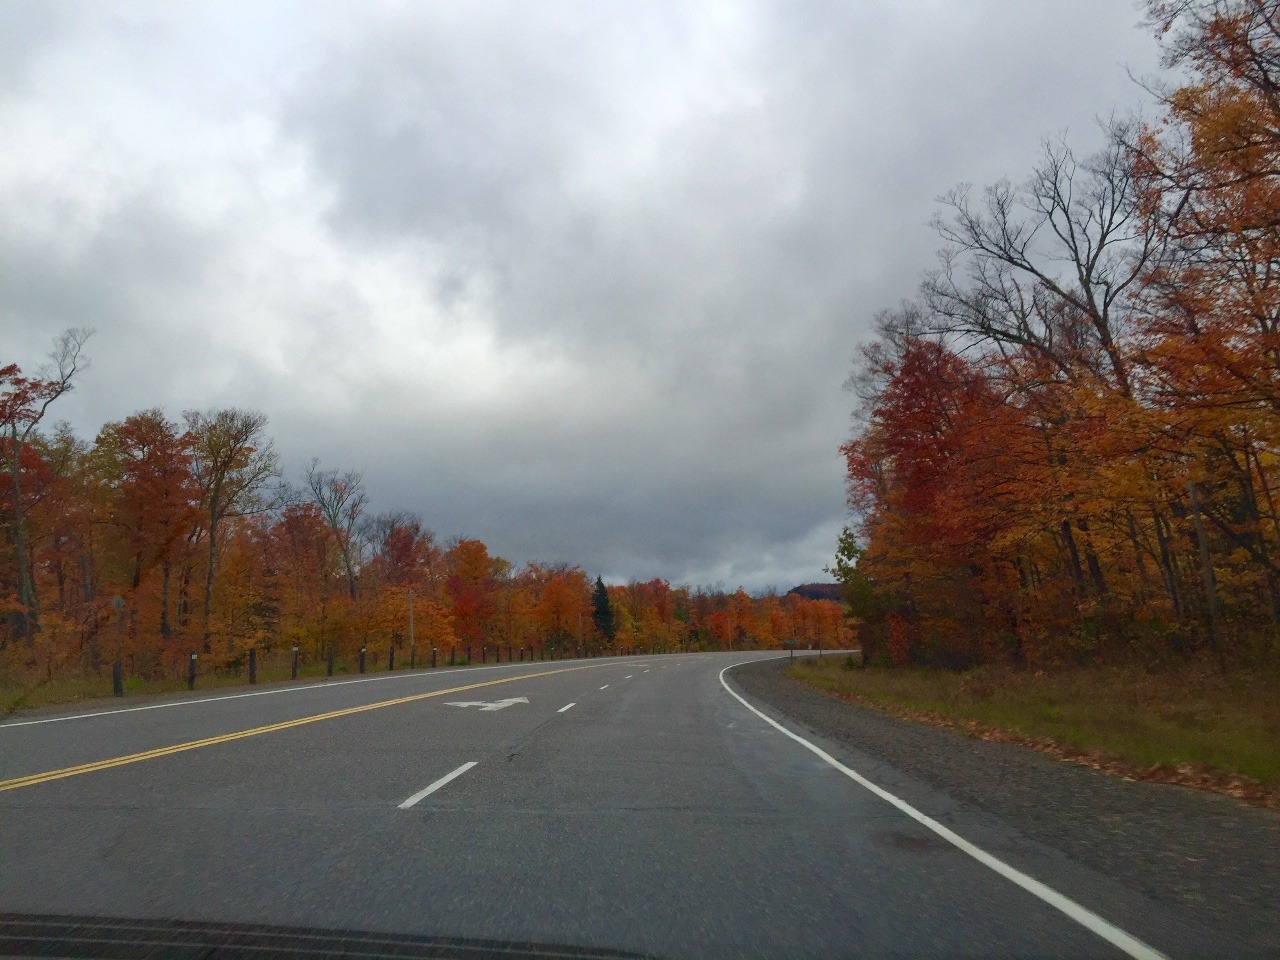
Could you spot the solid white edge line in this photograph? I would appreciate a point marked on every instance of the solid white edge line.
(1126, 942)
(325, 684)
(564, 708)
(448, 777)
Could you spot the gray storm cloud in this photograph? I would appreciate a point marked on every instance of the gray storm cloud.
(581, 281)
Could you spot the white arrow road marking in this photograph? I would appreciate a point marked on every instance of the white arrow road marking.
(488, 707)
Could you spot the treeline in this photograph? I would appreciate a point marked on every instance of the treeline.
(1067, 445)
(162, 538)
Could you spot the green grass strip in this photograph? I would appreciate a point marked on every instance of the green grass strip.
(1169, 719)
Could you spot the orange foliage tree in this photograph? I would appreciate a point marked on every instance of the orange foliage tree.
(1067, 448)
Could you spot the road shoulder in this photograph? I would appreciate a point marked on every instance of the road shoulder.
(1208, 858)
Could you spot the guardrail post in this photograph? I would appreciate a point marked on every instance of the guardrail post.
(433, 658)
(484, 653)
(117, 678)
(391, 659)
(191, 672)
(253, 664)
(362, 659)
(293, 670)
(331, 659)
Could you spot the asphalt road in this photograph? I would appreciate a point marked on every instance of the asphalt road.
(658, 814)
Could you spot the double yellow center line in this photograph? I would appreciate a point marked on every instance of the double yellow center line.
(35, 778)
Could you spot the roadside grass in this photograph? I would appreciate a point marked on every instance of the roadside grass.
(73, 689)
(15, 695)
(1143, 723)
(34, 691)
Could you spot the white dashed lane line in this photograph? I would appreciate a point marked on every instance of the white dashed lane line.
(564, 708)
(447, 778)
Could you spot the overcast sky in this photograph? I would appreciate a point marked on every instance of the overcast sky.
(581, 280)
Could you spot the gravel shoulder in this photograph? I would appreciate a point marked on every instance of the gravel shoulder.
(1209, 858)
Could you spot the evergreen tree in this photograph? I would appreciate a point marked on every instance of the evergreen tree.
(601, 611)
(860, 597)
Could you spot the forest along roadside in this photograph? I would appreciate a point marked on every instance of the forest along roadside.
(1211, 858)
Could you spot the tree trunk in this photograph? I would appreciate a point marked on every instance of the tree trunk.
(1095, 569)
(210, 568)
(22, 618)
(1206, 574)
(164, 599)
(86, 577)
(1167, 568)
(1073, 552)
(1137, 549)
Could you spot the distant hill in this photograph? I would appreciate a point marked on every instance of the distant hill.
(817, 591)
